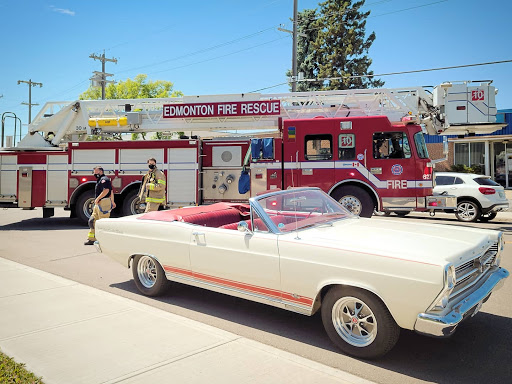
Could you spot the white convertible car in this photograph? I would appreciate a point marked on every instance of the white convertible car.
(302, 251)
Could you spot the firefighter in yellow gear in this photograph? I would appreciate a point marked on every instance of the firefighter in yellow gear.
(153, 186)
(103, 202)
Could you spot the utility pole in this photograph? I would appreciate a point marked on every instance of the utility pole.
(294, 34)
(30, 85)
(101, 77)
(294, 52)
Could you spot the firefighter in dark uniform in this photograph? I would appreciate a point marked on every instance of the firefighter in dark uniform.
(152, 190)
(103, 202)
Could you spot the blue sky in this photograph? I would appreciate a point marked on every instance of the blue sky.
(233, 46)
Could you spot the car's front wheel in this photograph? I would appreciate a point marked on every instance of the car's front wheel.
(358, 322)
(467, 211)
(149, 276)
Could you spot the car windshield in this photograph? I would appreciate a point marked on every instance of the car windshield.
(301, 208)
(486, 181)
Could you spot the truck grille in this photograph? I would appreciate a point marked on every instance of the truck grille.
(471, 271)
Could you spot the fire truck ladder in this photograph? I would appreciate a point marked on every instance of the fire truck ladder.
(64, 121)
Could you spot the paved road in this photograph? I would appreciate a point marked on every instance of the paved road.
(479, 351)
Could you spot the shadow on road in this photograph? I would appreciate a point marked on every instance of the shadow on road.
(469, 356)
(44, 224)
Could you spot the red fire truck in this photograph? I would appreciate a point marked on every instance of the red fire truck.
(363, 147)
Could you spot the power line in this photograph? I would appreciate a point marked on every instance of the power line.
(219, 57)
(383, 14)
(389, 74)
(200, 51)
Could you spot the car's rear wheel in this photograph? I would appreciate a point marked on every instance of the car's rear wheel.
(149, 276)
(356, 200)
(467, 211)
(358, 322)
(488, 216)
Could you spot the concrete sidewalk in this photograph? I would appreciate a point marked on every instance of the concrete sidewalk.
(67, 333)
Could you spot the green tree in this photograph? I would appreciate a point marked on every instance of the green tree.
(138, 88)
(336, 46)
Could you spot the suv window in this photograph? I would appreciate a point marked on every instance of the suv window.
(445, 180)
(486, 181)
(458, 180)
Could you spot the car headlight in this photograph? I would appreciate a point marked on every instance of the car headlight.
(450, 279)
(499, 252)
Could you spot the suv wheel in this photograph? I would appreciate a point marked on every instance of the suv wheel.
(467, 211)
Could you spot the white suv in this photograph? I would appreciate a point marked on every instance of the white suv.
(478, 197)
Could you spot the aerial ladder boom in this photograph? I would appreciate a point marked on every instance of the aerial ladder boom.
(459, 108)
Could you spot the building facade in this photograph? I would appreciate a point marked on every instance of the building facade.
(489, 154)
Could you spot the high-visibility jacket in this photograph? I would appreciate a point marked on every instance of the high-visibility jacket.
(153, 187)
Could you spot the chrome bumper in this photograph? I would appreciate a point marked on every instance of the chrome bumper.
(442, 326)
(441, 202)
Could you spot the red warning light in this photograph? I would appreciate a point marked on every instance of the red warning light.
(274, 203)
(84, 179)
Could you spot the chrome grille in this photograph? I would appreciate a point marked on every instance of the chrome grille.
(471, 271)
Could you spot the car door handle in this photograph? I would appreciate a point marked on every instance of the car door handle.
(198, 233)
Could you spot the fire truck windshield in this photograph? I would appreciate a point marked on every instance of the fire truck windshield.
(421, 147)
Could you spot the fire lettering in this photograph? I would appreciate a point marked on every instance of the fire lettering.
(397, 184)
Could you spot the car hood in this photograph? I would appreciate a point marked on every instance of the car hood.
(428, 243)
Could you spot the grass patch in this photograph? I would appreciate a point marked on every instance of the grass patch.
(15, 373)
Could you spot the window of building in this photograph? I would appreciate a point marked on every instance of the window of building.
(347, 146)
(471, 155)
(391, 145)
(318, 147)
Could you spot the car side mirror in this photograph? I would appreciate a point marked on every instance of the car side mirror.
(243, 227)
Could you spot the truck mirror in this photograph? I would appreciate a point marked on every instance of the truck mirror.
(445, 146)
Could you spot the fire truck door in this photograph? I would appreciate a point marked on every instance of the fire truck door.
(308, 160)
(317, 162)
(392, 170)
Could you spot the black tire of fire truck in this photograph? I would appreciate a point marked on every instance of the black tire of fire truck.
(355, 199)
(131, 205)
(84, 206)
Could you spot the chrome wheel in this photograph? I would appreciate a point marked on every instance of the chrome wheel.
(467, 211)
(352, 203)
(354, 321)
(147, 271)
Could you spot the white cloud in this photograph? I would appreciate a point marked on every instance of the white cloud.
(63, 11)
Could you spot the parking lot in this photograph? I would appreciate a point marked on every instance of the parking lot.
(478, 352)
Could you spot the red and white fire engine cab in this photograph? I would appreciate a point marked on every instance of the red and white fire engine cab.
(363, 147)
